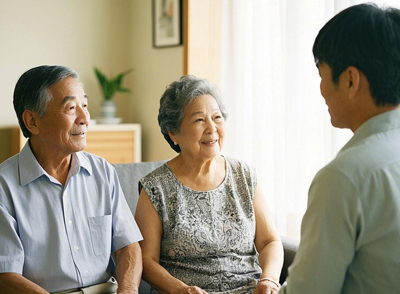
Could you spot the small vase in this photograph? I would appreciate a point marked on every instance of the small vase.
(108, 109)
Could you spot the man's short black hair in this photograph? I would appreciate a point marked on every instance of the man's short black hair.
(367, 37)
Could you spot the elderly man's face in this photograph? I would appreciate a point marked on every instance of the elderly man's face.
(63, 128)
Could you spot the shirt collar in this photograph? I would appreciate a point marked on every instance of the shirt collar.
(377, 124)
(83, 161)
(30, 169)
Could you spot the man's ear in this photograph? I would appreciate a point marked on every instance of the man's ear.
(30, 119)
(353, 76)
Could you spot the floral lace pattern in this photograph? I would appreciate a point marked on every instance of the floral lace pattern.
(208, 237)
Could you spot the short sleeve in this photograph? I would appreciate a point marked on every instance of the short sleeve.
(11, 250)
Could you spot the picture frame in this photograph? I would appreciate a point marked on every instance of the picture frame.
(167, 23)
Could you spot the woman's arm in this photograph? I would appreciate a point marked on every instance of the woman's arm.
(14, 283)
(128, 268)
(268, 244)
(157, 276)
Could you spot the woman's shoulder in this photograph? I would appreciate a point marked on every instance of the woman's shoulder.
(242, 175)
(237, 164)
(241, 171)
(160, 171)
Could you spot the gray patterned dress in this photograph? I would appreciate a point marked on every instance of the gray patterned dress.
(208, 237)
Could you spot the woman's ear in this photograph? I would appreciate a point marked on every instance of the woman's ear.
(173, 137)
(30, 119)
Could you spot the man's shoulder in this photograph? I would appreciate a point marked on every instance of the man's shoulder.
(9, 177)
(10, 163)
(364, 160)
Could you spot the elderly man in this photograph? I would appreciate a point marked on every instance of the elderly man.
(62, 211)
(350, 239)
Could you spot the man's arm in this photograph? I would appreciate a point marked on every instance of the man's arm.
(12, 252)
(328, 234)
(13, 283)
(128, 268)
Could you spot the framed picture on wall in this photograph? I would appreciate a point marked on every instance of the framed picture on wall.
(167, 23)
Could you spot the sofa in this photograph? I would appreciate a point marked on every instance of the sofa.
(129, 175)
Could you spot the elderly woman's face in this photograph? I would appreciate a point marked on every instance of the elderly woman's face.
(202, 129)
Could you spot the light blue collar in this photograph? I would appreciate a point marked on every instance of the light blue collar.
(30, 169)
(380, 123)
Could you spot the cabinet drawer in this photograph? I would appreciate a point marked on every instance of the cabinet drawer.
(116, 147)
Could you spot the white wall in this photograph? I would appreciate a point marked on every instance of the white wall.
(113, 35)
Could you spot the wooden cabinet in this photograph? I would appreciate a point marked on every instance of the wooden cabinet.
(116, 143)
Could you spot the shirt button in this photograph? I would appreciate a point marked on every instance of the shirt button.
(70, 222)
(76, 248)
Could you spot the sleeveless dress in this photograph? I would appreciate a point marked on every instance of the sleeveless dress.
(208, 237)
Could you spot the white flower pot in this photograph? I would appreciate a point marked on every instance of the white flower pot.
(108, 109)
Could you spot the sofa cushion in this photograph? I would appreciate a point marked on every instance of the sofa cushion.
(129, 175)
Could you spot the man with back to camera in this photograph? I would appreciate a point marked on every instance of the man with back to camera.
(350, 234)
(62, 211)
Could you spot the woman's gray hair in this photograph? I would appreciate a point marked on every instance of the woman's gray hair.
(178, 95)
(32, 90)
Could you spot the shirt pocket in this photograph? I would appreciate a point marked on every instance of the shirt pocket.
(100, 233)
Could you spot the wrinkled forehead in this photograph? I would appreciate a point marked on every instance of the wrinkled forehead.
(67, 89)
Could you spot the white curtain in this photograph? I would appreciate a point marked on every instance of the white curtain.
(278, 121)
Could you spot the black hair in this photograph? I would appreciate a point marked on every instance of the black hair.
(367, 37)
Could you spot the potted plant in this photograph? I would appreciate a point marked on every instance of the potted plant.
(109, 87)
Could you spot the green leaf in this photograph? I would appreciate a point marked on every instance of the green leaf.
(110, 86)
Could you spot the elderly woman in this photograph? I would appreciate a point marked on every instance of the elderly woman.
(204, 218)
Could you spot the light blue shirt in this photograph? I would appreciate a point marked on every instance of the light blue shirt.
(350, 234)
(61, 237)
